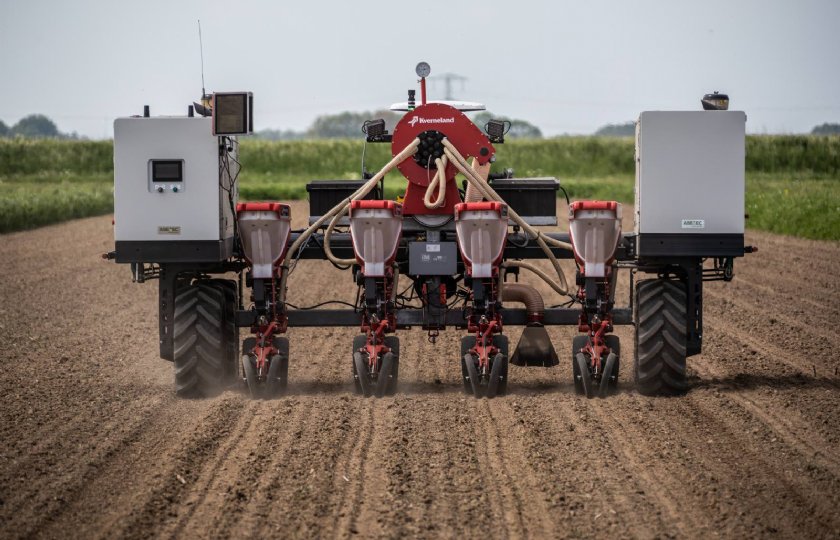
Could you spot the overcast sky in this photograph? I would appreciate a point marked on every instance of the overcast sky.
(568, 67)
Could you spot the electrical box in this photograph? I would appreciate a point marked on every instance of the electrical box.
(174, 192)
(325, 194)
(690, 183)
(534, 199)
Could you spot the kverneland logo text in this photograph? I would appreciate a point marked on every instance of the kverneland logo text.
(417, 119)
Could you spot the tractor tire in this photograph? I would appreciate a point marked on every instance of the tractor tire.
(201, 336)
(278, 370)
(578, 343)
(231, 292)
(660, 340)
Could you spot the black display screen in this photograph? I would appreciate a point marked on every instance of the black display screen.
(167, 171)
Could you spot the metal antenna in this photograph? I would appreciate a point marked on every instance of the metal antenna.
(201, 50)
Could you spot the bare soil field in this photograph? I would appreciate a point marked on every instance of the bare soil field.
(94, 443)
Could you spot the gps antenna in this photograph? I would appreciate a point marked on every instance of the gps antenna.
(202, 108)
(201, 51)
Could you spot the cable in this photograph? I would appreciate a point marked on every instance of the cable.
(341, 302)
(364, 153)
(339, 266)
(562, 291)
(565, 194)
(224, 167)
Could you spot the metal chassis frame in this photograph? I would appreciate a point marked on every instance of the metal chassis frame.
(688, 270)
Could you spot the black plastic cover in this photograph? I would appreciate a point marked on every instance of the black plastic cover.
(325, 194)
(530, 197)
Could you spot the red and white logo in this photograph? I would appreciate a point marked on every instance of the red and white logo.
(417, 119)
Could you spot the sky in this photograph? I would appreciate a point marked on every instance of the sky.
(567, 67)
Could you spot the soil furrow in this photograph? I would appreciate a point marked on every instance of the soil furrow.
(804, 356)
(351, 482)
(773, 471)
(804, 326)
(505, 501)
(94, 443)
(588, 486)
(532, 512)
(227, 481)
(180, 466)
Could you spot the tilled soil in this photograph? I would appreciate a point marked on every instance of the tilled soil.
(94, 443)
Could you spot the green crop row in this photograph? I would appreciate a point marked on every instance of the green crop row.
(590, 157)
(30, 205)
(793, 182)
(797, 205)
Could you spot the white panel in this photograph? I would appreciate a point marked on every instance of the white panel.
(195, 211)
(690, 172)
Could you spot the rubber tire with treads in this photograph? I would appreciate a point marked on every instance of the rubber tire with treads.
(358, 342)
(248, 368)
(200, 334)
(467, 343)
(609, 385)
(499, 372)
(278, 369)
(231, 292)
(660, 340)
(393, 343)
(578, 343)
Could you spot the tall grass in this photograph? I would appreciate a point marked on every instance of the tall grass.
(793, 182)
(26, 206)
(36, 156)
(797, 205)
(341, 158)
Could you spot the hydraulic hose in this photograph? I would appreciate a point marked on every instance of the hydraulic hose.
(472, 194)
(536, 270)
(489, 193)
(438, 183)
(344, 205)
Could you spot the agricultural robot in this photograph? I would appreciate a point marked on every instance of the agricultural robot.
(445, 255)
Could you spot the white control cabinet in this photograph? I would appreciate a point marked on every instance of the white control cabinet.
(171, 199)
(690, 183)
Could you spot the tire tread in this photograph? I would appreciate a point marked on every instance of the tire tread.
(660, 337)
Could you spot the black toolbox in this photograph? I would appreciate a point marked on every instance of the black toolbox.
(534, 199)
(325, 194)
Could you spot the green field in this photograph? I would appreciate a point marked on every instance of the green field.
(793, 182)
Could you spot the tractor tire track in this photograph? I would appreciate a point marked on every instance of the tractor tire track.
(797, 359)
(784, 426)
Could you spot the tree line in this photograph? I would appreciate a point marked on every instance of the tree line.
(628, 129)
(35, 126)
(349, 124)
